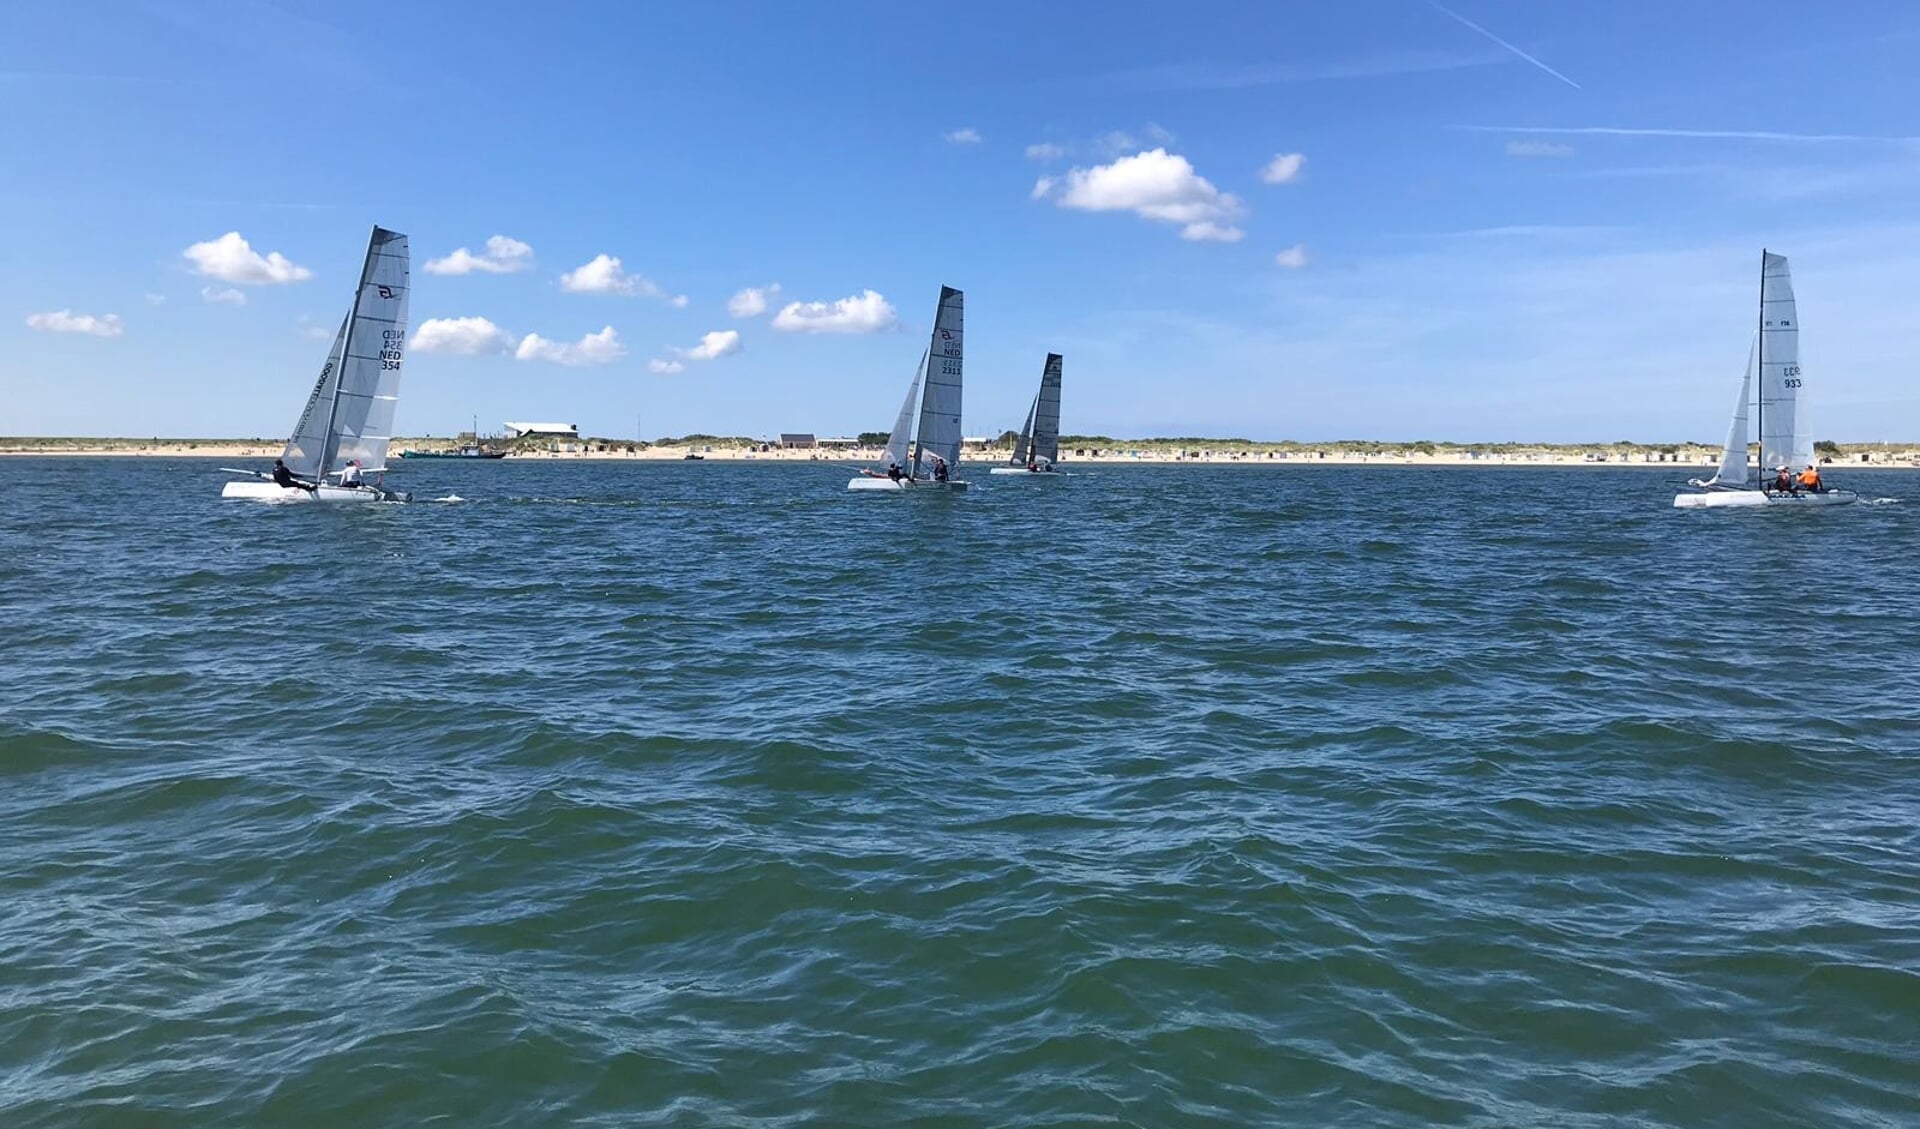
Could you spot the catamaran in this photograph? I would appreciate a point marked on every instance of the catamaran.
(1786, 442)
(338, 451)
(935, 461)
(1038, 448)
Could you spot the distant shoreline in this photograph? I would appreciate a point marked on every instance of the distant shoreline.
(1206, 452)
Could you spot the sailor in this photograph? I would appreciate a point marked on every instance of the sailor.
(1032, 467)
(1810, 479)
(1783, 482)
(350, 474)
(284, 477)
(939, 469)
(894, 472)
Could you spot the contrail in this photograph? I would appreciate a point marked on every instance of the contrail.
(1446, 11)
(1718, 134)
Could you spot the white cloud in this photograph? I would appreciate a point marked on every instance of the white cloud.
(1293, 258)
(228, 295)
(66, 321)
(605, 275)
(1154, 185)
(964, 136)
(752, 301)
(231, 259)
(867, 312)
(156, 299)
(1045, 151)
(311, 331)
(602, 348)
(504, 255)
(1206, 231)
(665, 367)
(464, 337)
(1538, 149)
(712, 346)
(679, 301)
(1285, 168)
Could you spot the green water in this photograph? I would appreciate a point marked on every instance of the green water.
(700, 794)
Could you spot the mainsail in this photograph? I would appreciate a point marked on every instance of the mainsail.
(1046, 413)
(349, 417)
(1783, 443)
(1733, 456)
(939, 432)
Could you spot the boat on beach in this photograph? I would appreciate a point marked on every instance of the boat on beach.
(1037, 450)
(1786, 443)
(338, 450)
(935, 443)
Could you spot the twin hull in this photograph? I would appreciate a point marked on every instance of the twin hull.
(262, 491)
(1736, 499)
(865, 484)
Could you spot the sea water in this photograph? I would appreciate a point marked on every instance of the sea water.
(709, 794)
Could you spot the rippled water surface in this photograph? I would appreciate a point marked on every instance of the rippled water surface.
(705, 794)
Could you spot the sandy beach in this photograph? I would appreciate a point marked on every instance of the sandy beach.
(1195, 452)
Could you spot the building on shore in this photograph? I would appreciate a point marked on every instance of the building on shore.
(541, 430)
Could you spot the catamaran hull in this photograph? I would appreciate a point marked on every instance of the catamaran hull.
(865, 485)
(1743, 499)
(273, 492)
(1023, 472)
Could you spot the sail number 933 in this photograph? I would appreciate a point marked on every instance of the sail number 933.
(1791, 376)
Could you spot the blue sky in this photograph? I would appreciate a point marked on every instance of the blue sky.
(1498, 219)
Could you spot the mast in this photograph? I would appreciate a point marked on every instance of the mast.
(346, 350)
(1760, 384)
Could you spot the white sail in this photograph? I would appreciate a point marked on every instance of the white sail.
(1046, 414)
(939, 432)
(1782, 443)
(896, 452)
(1026, 434)
(302, 454)
(360, 414)
(1733, 456)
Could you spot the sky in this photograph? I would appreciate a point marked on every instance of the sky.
(1485, 220)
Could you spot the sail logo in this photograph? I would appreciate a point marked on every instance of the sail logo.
(386, 291)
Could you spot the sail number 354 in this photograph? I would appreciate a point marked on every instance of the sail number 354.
(392, 341)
